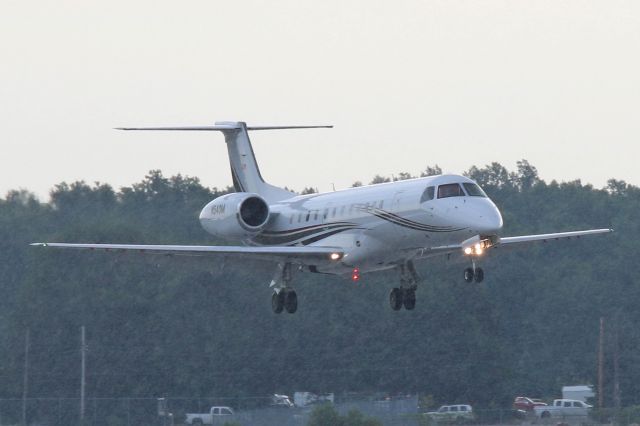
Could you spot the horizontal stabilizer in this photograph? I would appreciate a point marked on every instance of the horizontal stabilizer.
(223, 127)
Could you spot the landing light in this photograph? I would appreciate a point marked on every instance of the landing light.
(477, 249)
(335, 256)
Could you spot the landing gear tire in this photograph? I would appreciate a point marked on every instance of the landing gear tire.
(479, 275)
(290, 301)
(277, 302)
(409, 300)
(468, 275)
(395, 299)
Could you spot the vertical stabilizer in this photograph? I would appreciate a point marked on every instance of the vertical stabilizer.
(244, 167)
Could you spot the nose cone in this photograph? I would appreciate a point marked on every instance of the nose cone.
(488, 219)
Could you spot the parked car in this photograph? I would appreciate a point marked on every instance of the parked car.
(563, 408)
(526, 403)
(280, 401)
(215, 413)
(460, 413)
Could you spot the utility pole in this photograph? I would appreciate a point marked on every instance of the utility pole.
(83, 350)
(25, 380)
(616, 364)
(601, 364)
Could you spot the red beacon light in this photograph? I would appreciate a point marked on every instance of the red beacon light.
(355, 275)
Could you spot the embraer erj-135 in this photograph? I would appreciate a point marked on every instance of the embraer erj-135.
(346, 232)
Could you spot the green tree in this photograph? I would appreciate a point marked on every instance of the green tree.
(431, 171)
(379, 179)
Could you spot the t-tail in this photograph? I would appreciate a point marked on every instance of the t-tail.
(244, 167)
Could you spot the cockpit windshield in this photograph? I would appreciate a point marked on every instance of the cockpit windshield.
(474, 190)
(427, 194)
(450, 190)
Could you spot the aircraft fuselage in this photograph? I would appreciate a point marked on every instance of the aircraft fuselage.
(377, 226)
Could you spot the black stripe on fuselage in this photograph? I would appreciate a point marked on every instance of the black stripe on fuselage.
(305, 228)
(406, 223)
(322, 236)
(412, 224)
(315, 233)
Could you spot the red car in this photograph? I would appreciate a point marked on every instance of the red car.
(526, 404)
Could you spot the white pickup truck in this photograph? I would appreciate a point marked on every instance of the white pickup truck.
(217, 415)
(563, 409)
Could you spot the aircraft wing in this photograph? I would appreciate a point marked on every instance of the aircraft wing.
(303, 255)
(526, 239)
(509, 242)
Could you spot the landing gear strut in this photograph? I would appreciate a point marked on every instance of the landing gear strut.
(405, 295)
(284, 297)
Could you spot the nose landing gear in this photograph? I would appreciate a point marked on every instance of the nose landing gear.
(474, 273)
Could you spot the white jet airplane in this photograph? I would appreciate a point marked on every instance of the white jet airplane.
(346, 232)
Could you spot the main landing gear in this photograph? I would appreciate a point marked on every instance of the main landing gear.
(284, 297)
(473, 273)
(400, 296)
(405, 295)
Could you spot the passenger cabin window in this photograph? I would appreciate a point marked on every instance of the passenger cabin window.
(326, 213)
(450, 190)
(428, 194)
(308, 216)
(473, 190)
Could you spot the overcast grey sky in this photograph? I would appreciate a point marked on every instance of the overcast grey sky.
(406, 83)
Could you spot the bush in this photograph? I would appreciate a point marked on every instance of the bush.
(326, 415)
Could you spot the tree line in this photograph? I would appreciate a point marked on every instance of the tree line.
(202, 326)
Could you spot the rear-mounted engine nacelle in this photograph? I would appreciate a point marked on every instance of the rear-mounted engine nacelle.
(235, 216)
